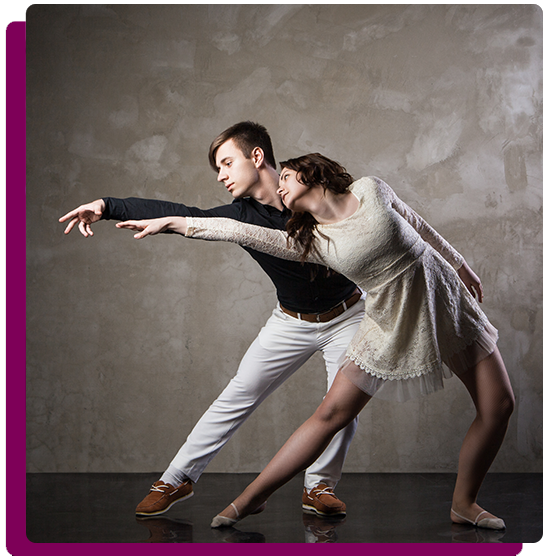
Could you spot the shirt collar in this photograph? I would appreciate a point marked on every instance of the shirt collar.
(271, 210)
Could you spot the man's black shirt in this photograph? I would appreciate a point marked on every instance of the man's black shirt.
(303, 288)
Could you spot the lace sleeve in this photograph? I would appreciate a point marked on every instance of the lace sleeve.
(425, 230)
(266, 240)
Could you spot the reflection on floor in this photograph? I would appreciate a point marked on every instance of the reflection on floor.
(382, 508)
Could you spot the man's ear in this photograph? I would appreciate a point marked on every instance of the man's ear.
(257, 155)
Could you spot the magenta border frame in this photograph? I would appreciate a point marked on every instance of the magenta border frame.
(17, 542)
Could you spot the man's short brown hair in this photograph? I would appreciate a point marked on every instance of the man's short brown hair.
(247, 136)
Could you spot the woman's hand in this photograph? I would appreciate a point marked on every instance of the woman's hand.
(471, 281)
(154, 226)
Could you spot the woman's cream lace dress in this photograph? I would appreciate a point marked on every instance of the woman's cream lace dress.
(418, 311)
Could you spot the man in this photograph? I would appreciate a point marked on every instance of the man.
(316, 310)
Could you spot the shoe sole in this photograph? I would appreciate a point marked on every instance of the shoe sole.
(146, 514)
(315, 511)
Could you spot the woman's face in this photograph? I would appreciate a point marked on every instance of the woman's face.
(295, 195)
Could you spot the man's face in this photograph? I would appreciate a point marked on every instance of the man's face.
(238, 174)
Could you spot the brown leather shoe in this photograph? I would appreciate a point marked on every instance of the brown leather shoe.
(162, 496)
(322, 501)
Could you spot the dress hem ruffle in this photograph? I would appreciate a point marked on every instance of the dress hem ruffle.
(430, 379)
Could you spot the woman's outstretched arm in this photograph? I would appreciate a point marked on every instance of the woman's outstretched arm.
(266, 240)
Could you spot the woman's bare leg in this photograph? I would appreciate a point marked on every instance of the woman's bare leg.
(489, 386)
(341, 405)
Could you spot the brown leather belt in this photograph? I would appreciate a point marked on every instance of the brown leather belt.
(328, 315)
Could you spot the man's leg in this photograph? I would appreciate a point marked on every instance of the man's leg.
(260, 373)
(283, 345)
(323, 475)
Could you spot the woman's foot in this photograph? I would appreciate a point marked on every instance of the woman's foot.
(231, 515)
(475, 515)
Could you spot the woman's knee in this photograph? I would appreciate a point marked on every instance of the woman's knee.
(507, 404)
(333, 416)
(341, 404)
(505, 398)
(489, 385)
(499, 411)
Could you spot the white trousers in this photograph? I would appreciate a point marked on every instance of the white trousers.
(283, 345)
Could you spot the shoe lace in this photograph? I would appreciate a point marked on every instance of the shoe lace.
(328, 490)
(160, 488)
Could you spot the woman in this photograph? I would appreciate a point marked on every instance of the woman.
(420, 313)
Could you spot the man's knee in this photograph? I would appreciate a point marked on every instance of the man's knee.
(243, 392)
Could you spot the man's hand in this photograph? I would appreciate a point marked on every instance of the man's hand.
(471, 281)
(84, 216)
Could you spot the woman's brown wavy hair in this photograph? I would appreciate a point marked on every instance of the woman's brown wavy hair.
(314, 169)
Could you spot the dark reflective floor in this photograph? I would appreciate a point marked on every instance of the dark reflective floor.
(382, 508)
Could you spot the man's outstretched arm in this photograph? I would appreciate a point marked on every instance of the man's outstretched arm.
(123, 209)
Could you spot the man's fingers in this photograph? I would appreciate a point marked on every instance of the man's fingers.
(70, 226)
(85, 229)
(71, 214)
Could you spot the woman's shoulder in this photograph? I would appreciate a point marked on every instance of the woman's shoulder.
(367, 185)
(368, 182)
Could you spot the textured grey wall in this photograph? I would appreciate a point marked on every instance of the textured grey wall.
(129, 342)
